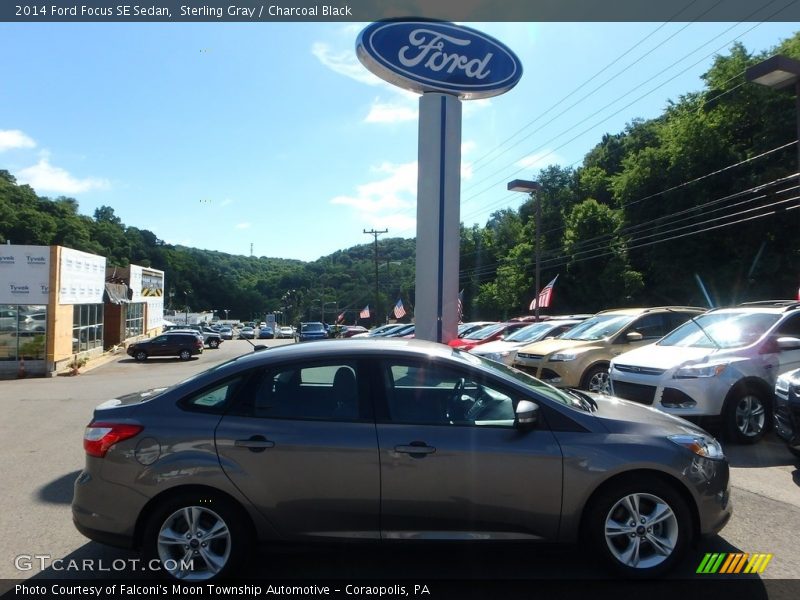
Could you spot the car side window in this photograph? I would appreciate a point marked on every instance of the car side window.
(651, 327)
(213, 400)
(428, 394)
(789, 328)
(327, 392)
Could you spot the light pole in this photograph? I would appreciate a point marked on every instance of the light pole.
(531, 187)
(779, 72)
(186, 294)
(226, 310)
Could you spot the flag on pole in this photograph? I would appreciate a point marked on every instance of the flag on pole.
(544, 296)
(460, 306)
(399, 311)
(364, 314)
(340, 318)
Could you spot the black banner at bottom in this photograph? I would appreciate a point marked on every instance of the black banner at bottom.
(434, 589)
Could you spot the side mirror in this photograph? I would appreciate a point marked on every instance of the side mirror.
(634, 336)
(527, 414)
(788, 343)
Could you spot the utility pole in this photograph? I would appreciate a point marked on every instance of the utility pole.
(375, 234)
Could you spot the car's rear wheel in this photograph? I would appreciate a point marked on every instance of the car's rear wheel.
(185, 354)
(213, 344)
(140, 355)
(640, 527)
(747, 415)
(197, 537)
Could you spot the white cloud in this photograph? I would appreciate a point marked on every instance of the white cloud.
(387, 112)
(44, 177)
(345, 63)
(388, 202)
(226, 202)
(243, 225)
(14, 138)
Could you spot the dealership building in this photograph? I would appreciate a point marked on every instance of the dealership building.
(57, 304)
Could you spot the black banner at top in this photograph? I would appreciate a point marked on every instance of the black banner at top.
(373, 10)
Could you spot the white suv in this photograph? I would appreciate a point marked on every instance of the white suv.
(723, 363)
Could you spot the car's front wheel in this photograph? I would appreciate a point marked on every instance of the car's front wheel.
(596, 379)
(185, 354)
(641, 526)
(747, 415)
(140, 355)
(197, 537)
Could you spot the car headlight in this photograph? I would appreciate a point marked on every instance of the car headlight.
(702, 370)
(702, 445)
(565, 356)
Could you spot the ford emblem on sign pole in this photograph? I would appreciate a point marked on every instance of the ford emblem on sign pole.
(435, 56)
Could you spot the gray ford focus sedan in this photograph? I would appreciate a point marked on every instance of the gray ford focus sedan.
(391, 440)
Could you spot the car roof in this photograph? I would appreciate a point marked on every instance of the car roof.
(641, 311)
(324, 349)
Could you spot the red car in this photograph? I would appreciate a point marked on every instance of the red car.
(486, 334)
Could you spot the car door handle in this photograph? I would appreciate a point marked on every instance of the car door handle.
(415, 449)
(256, 443)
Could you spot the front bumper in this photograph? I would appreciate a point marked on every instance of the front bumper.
(681, 397)
(558, 374)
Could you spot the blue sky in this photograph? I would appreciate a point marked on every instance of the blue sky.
(223, 135)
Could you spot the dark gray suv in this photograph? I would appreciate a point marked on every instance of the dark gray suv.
(183, 345)
(391, 440)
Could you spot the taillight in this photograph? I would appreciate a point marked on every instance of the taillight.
(99, 437)
(199, 343)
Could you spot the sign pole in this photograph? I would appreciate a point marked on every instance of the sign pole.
(438, 219)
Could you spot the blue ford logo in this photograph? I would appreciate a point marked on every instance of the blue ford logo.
(432, 56)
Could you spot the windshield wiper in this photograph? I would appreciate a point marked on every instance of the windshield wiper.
(586, 400)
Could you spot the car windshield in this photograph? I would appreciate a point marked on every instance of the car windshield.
(311, 327)
(531, 332)
(484, 332)
(540, 387)
(598, 327)
(721, 330)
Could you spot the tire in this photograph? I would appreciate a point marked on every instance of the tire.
(213, 344)
(596, 379)
(185, 354)
(659, 536)
(178, 531)
(747, 415)
(140, 355)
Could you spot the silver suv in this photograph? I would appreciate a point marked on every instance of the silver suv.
(723, 363)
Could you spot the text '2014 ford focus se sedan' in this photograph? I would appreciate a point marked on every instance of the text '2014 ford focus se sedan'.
(391, 440)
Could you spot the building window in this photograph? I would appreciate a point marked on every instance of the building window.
(22, 331)
(87, 327)
(134, 320)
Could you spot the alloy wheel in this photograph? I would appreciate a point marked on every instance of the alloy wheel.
(194, 543)
(641, 531)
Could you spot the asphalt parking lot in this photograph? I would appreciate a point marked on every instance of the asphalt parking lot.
(41, 446)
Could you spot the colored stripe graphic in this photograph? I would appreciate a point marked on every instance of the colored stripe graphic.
(733, 563)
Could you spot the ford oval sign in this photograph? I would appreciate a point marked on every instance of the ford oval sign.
(434, 56)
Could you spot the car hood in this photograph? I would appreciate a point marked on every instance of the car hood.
(623, 416)
(545, 347)
(498, 346)
(662, 357)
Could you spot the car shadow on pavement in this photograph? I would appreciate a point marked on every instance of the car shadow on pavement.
(769, 452)
(58, 491)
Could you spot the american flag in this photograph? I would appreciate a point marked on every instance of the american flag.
(340, 318)
(460, 305)
(399, 311)
(364, 314)
(544, 296)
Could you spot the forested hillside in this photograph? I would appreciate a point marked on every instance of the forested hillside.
(706, 192)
